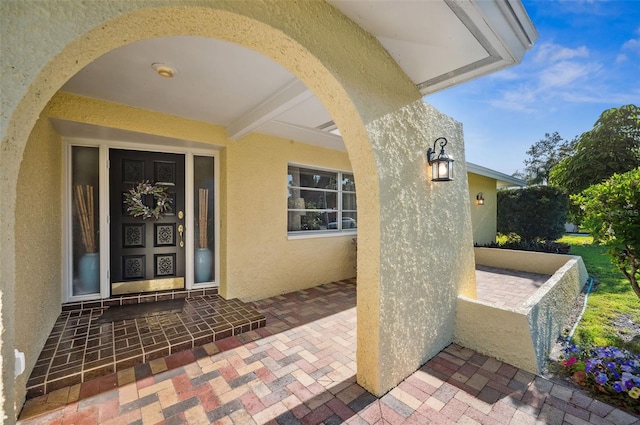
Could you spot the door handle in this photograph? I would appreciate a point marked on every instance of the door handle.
(181, 232)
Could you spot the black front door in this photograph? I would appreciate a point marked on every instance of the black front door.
(147, 254)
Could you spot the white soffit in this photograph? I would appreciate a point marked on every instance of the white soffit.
(439, 44)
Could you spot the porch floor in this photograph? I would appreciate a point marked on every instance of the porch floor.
(81, 347)
(300, 369)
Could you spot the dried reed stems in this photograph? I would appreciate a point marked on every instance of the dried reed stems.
(203, 214)
(84, 206)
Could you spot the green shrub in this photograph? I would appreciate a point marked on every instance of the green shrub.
(524, 245)
(612, 216)
(534, 213)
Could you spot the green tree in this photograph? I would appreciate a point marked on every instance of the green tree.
(612, 216)
(543, 156)
(612, 146)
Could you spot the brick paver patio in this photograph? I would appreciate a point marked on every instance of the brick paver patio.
(506, 288)
(300, 369)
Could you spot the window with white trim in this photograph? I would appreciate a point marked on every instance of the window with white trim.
(320, 200)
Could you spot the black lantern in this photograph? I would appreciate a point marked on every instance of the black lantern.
(480, 199)
(441, 165)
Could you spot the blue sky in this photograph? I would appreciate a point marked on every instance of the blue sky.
(586, 60)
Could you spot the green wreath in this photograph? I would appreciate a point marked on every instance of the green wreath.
(137, 208)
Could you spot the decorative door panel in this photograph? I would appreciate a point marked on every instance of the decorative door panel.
(147, 245)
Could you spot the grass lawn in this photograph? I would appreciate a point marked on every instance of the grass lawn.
(612, 302)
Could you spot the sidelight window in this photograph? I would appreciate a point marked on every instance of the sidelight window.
(203, 178)
(85, 220)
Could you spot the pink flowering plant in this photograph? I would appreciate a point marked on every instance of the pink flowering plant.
(610, 373)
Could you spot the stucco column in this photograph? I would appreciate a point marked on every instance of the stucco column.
(425, 249)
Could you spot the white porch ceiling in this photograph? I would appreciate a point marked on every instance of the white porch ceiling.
(438, 43)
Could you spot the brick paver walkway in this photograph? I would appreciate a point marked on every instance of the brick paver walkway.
(300, 369)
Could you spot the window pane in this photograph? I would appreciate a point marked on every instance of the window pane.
(203, 186)
(305, 221)
(349, 220)
(318, 200)
(305, 177)
(349, 201)
(85, 220)
(348, 183)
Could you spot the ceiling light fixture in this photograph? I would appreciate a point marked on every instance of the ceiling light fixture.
(163, 70)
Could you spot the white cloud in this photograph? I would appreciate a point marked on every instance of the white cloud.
(519, 99)
(550, 52)
(554, 74)
(633, 45)
(564, 74)
(621, 58)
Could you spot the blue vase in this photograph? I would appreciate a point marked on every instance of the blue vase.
(89, 273)
(203, 259)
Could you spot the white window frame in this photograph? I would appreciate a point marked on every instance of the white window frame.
(322, 233)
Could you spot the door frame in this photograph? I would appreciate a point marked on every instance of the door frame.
(186, 148)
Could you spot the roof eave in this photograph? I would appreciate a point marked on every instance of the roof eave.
(502, 180)
(502, 27)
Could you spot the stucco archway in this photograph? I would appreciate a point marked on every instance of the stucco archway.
(385, 126)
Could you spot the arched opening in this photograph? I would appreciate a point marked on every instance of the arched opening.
(384, 125)
(36, 156)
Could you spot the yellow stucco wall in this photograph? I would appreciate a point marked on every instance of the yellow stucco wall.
(258, 260)
(38, 231)
(261, 260)
(415, 245)
(483, 217)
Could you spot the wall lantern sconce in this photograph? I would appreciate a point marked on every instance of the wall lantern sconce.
(479, 199)
(442, 164)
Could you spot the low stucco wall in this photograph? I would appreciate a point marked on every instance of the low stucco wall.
(549, 307)
(522, 336)
(496, 332)
(526, 261)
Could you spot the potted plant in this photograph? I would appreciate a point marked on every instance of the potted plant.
(89, 263)
(203, 255)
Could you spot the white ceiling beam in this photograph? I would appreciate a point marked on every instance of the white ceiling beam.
(302, 134)
(284, 99)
